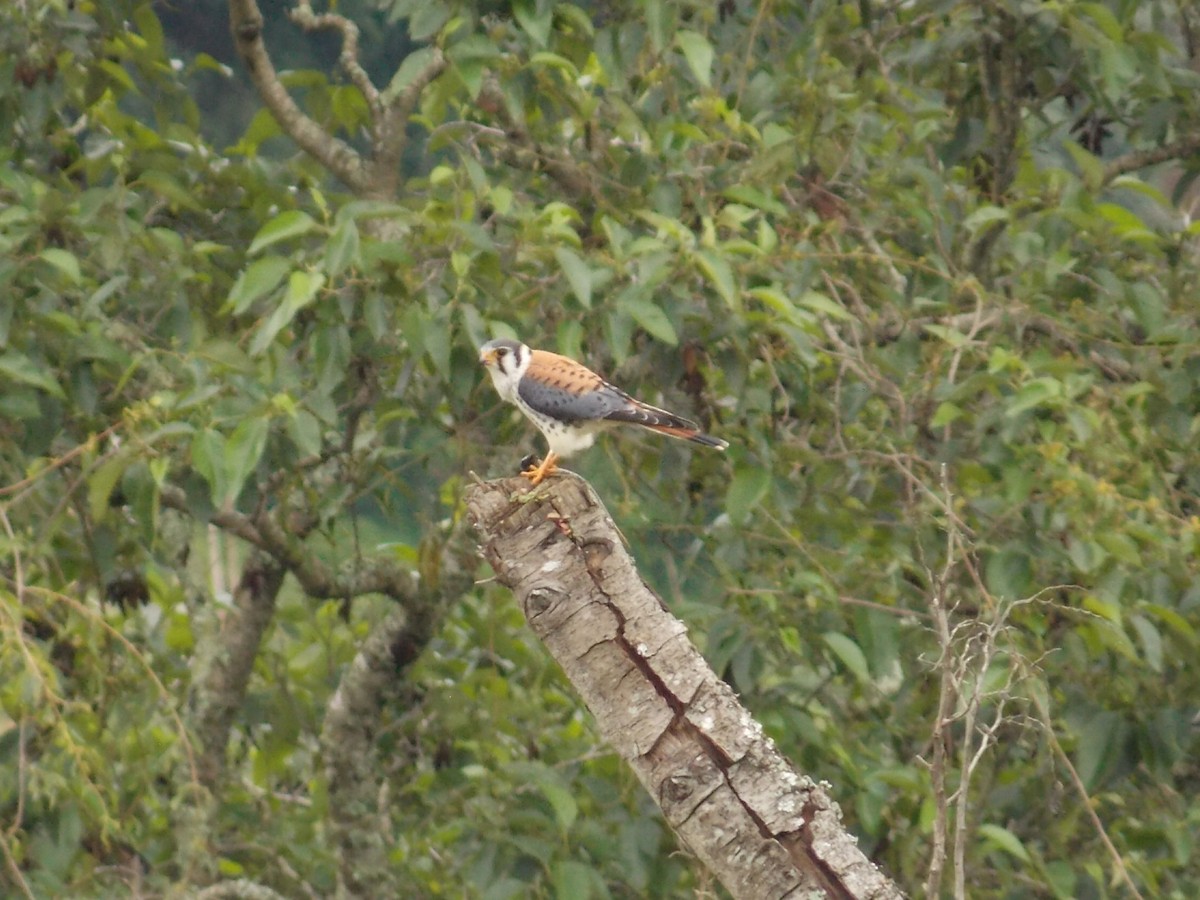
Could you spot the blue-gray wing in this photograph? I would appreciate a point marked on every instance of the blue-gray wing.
(559, 387)
(601, 402)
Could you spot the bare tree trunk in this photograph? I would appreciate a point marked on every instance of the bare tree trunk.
(762, 828)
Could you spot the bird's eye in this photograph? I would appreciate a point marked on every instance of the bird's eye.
(503, 351)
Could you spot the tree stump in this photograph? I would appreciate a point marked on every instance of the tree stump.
(762, 828)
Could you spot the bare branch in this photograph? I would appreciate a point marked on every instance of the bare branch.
(1086, 801)
(304, 16)
(339, 157)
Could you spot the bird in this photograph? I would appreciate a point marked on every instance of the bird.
(570, 404)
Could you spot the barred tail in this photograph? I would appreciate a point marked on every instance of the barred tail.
(665, 423)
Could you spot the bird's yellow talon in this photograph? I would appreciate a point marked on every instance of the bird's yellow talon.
(537, 474)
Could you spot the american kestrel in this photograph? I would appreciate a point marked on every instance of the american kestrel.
(570, 403)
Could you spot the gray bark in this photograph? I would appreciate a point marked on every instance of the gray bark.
(762, 828)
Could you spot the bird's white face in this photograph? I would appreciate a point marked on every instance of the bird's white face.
(506, 361)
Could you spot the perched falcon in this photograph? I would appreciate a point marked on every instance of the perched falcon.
(570, 403)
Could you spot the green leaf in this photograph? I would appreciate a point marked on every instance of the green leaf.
(995, 837)
(149, 28)
(546, 59)
(716, 269)
(746, 490)
(305, 432)
(753, 196)
(651, 317)
(302, 289)
(169, 188)
(408, 70)
(659, 21)
(1121, 546)
(535, 18)
(1038, 392)
(573, 880)
(775, 299)
(951, 336)
(18, 367)
(1151, 641)
(1174, 621)
(243, 450)
(342, 251)
(1100, 746)
(427, 19)
(698, 52)
(850, 655)
(945, 414)
(579, 276)
(260, 277)
(103, 479)
(208, 458)
(1007, 573)
(985, 216)
(1091, 167)
(65, 261)
(553, 787)
(819, 303)
(288, 224)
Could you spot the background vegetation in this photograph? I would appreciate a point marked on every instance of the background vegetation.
(929, 267)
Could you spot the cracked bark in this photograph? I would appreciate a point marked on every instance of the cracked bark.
(762, 828)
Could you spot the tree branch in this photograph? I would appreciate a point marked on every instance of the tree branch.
(359, 827)
(1140, 159)
(388, 136)
(361, 576)
(761, 827)
(304, 16)
(1086, 801)
(560, 165)
(220, 689)
(339, 157)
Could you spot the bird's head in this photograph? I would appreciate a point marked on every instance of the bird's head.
(506, 361)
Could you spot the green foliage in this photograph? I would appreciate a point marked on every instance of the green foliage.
(899, 257)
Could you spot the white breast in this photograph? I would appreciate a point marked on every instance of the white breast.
(565, 440)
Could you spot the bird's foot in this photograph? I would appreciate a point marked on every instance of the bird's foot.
(538, 473)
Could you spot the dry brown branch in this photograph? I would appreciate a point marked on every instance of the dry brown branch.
(764, 829)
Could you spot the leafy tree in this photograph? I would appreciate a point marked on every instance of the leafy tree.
(929, 267)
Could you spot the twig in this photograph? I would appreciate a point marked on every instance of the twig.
(61, 461)
(14, 869)
(1081, 789)
(304, 16)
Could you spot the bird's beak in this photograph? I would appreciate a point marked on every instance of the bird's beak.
(487, 357)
